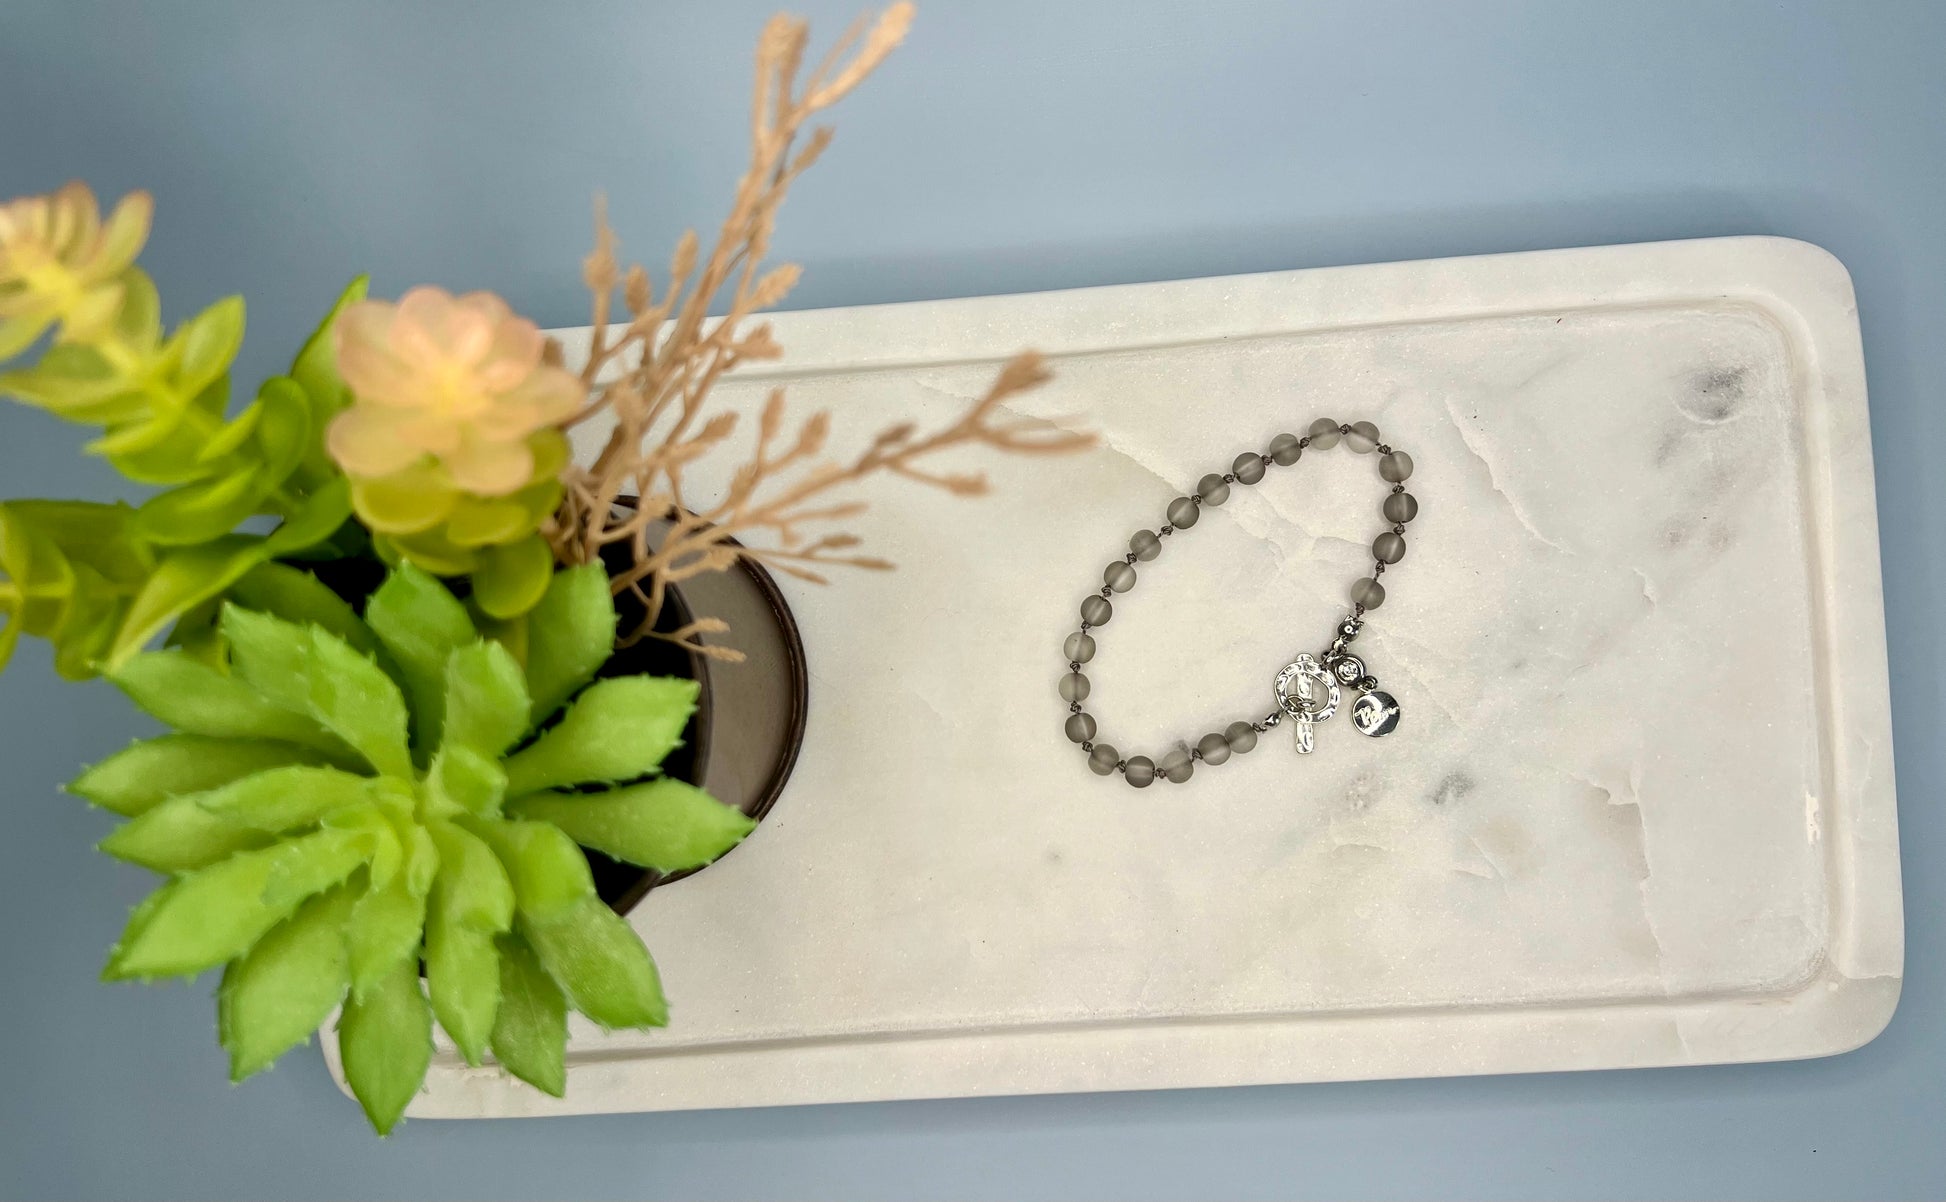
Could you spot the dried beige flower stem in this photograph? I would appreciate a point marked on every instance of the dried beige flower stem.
(654, 374)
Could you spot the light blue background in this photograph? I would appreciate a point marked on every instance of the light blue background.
(1011, 146)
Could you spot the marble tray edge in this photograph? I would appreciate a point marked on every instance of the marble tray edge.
(1799, 287)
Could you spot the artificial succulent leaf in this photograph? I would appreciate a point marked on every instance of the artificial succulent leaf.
(665, 824)
(216, 913)
(320, 516)
(617, 730)
(463, 977)
(550, 875)
(483, 521)
(87, 626)
(285, 427)
(353, 698)
(384, 931)
(166, 446)
(142, 775)
(316, 366)
(385, 1040)
(297, 596)
(74, 382)
(512, 577)
(406, 502)
(208, 343)
(9, 638)
(183, 579)
(285, 799)
(91, 533)
(601, 965)
(207, 509)
(486, 699)
(420, 623)
(229, 438)
(570, 635)
(140, 320)
(472, 887)
(197, 699)
(471, 902)
(274, 995)
(271, 655)
(530, 1028)
(463, 780)
(17, 334)
(179, 836)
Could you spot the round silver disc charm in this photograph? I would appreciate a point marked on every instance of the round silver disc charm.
(1375, 714)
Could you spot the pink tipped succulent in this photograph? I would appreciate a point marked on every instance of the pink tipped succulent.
(458, 381)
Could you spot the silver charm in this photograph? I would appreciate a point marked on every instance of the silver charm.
(1349, 669)
(1297, 696)
(1375, 714)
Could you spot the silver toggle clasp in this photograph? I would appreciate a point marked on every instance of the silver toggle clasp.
(1298, 694)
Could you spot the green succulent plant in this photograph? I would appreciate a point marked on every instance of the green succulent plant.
(346, 797)
(101, 581)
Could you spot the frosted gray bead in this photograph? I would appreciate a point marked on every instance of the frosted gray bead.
(1103, 758)
(1401, 507)
(1079, 648)
(1388, 548)
(1367, 592)
(1249, 468)
(1118, 576)
(1074, 687)
(1212, 489)
(1216, 748)
(1395, 467)
(1241, 736)
(1140, 771)
(1182, 513)
(1363, 437)
(1323, 434)
(1177, 766)
(1096, 611)
(1285, 449)
(1081, 727)
(1146, 545)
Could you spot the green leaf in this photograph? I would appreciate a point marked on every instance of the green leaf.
(315, 521)
(277, 993)
(297, 596)
(285, 799)
(16, 335)
(316, 371)
(666, 824)
(465, 780)
(183, 579)
(600, 964)
(549, 874)
(471, 902)
(530, 1029)
(142, 775)
(353, 698)
(140, 319)
(284, 430)
(420, 624)
(208, 509)
(617, 730)
(217, 913)
(197, 699)
(76, 383)
(486, 699)
(179, 836)
(571, 634)
(209, 343)
(385, 1039)
(87, 532)
(271, 655)
(167, 445)
(512, 577)
(384, 932)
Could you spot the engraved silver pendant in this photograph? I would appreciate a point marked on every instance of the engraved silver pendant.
(1298, 688)
(1375, 714)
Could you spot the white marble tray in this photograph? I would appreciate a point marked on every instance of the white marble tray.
(1640, 810)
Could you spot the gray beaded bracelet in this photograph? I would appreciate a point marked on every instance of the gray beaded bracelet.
(1307, 688)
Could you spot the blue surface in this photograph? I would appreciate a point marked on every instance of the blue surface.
(1010, 146)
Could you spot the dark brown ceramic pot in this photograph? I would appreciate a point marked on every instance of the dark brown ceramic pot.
(743, 741)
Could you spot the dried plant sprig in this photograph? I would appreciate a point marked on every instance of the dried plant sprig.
(653, 374)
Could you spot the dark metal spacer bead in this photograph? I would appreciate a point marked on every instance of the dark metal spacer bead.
(1195, 753)
(1121, 765)
(1166, 531)
(1106, 591)
(1398, 488)
(1129, 558)
(1398, 529)
(1368, 683)
(1074, 707)
(1229, 478)
(1304, 441)
(1345, 428)
(1265, 460)
(1086, 627)
(1074, 665)
(1383, 449)
(1086, 747)
(1195, 498)
(1378, 569)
